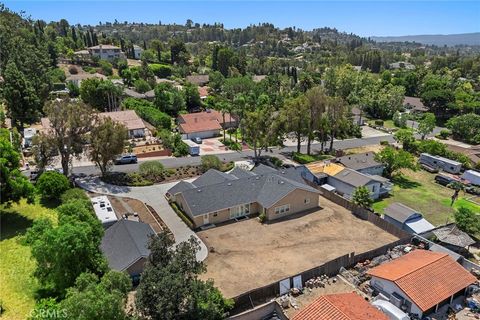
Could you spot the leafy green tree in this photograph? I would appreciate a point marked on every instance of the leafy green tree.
(147, 111)
(211, 162)
(43, 150)
(361, 197)
(168, 99)
(465, 128)
(317, 107)
(467, 220)
(74, 194)
(107, 68)
(178, 51)
(70, 121)
(152, 170)
(225, 60)
(23, 103)
(427, 124)
(13, 184)
(192, 96)
(170, 287)
(400, 120)
(161, 70)
(295, 119)
(157, 45)
(394, 160)
(406, 138)
(100, 94)
(51, 184)
(107, 140)
(94, 299)
(48, 309)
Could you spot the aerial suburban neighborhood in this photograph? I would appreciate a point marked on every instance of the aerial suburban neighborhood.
(259, 160)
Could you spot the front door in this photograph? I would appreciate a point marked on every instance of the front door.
(205, 219)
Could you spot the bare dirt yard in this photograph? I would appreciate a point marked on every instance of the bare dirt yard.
(248, 254)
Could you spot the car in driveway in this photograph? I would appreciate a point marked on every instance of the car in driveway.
(126, 159)
(197, 140)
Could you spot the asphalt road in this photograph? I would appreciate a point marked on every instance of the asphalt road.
(281, 153)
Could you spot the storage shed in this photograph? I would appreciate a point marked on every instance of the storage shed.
(406, 218)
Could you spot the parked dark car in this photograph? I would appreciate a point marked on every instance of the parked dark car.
(443, 180)
(197, 140)
(126, 158)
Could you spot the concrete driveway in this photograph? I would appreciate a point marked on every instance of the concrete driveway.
(153, 196)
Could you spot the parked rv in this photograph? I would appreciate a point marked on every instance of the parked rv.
(440, 163)
(193, 148)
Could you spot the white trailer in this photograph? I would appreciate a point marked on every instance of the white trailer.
(472, 176)
(440, 163)
(193, 148)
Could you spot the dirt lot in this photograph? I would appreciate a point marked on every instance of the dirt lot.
(249, 254)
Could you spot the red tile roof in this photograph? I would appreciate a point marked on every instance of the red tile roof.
(426, 277)
(202, 121)
(343, 306)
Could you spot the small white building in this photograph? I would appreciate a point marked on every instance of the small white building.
(137, 52)
(28, 135)
(104, 211)
(472, 176)
(421, 281)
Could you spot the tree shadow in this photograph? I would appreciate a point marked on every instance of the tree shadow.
(13, 224)
(50, 203)
(404, 183)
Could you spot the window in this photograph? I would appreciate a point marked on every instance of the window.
(215, 214)
(282, 209)
(306, 200)
(373, 188)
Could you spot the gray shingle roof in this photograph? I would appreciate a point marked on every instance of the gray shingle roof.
(353, 178)
(359, 161)
(241, 173)
(180, 187)
(262, 169)
(454, 236)
(125, 242)
(266, 189)
(399, 212)
(212, 176)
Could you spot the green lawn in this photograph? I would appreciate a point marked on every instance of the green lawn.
(386, 123)
(303, 158)
(17, 284)
(419, 191)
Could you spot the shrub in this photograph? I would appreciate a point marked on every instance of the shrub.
(444, 134)
(181, 149)
(276, 162)
(384, 143)
(467, 220)
(161, 70)
(149, 113)
(51, 184)
(106, 67)
(131, 179)
(185, 218)
(211, 162)
(232, 145)
(379, 123)
(74, 194)
(141, 86)
(305, 158)
(152, 170)
(136, 180)
(262, 217)
(72, 70)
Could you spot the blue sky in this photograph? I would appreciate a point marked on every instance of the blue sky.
(365, 18)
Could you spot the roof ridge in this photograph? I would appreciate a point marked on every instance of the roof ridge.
(333, 305)
(441, 256)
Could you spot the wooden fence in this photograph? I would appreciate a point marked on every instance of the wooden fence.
(263, 294)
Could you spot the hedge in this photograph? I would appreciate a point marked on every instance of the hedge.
(182, 215)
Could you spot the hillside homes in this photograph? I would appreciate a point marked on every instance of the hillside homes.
(217, 197)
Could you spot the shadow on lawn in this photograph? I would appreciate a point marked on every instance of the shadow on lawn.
(13, 224)
(404, 183)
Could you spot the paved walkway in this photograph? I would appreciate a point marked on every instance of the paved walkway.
(153, 196)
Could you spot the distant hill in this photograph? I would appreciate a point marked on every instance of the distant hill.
(436, 39)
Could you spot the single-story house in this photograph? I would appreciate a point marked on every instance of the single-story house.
(453, 238)
(149, 95)
(125, 245)
(318, 172)
(129, 118)
(406, 218)
(362, 162)
(414, 104)
(421, 281)
(134, 124)
(346, 181)
(340, 306)
(402, 65)
(440, 163)
(200, 80)
(216, 197)
(77, 79)
(205, 124)
(137, 52)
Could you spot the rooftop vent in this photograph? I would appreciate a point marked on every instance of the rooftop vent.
(229, 184)
(199, 190)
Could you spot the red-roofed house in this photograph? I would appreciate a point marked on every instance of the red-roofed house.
(203, 125)
(342, 306)
(421, 281)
